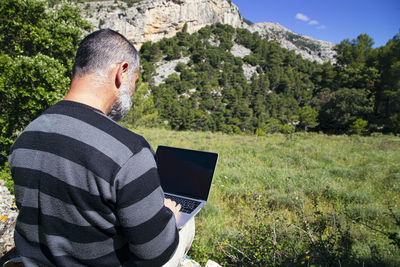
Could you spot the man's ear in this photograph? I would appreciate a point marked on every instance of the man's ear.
(122, 74)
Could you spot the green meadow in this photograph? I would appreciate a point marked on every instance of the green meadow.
(300, 199)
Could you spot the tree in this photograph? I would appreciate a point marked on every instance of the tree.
(343, 108)
(359, 126)
(37, 48)
(308, 117)
(387, 104)
(358, 51)
(143, 112)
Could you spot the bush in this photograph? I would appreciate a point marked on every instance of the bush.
(359, 126)
(28, 85)
(37, 48)
(5, 175)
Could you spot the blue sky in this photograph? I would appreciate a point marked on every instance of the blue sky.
(328, 20)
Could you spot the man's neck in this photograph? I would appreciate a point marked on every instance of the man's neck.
(86, 91)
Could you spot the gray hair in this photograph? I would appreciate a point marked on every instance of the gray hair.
(100, 50)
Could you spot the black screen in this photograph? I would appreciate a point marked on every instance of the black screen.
(186, 172)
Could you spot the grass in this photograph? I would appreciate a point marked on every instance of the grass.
(297, 199)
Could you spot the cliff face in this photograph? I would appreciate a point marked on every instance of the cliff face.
(307, 47)
(152, 20)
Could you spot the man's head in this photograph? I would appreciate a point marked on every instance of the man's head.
(98, 54)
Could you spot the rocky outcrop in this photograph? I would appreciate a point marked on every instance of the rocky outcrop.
(166, 68)
(8, 217)
(152, 20)
(240, 51)
(307, 47)
(192, 263)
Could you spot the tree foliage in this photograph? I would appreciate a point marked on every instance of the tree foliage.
(143, 112)
(37, 48)
(285, 93)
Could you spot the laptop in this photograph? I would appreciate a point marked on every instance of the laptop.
(186, 177)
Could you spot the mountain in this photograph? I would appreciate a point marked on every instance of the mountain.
(153, 20)
(307, 47)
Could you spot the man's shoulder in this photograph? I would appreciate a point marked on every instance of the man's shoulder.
(97, 124)
(72, 122)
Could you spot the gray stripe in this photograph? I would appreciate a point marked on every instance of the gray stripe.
(61, 246)
(158, 245)
(81, 131)
(28, 231)
(58, 167)
(136, 166)
(64, 247)
(143, 210)
(27, 196)
(30, 251)
(54, 207)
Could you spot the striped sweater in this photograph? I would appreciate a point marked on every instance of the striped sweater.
(88, 192)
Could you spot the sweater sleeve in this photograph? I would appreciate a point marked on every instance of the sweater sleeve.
(149, 226)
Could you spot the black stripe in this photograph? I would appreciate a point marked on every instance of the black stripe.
(115, 258)
(138, 189)
(54, 226)
(58, 189)
(163, 258)
(150, 229)
(71, 149)
(28, 215)
(95, 118)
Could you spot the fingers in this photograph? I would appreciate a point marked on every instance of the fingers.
(175, 208)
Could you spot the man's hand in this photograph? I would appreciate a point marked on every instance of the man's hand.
(172, 206)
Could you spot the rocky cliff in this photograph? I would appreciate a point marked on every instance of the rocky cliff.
(307, 47)
(152, 20)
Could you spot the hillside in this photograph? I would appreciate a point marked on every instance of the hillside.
(148, 20)
(227, 79)
(231, 80)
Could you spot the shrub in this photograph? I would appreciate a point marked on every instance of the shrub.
(359, 126)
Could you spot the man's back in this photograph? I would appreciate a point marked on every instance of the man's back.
(88, 193)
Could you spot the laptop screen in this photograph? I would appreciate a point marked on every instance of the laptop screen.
(186, 172)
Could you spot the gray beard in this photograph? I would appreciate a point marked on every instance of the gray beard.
(123, 104)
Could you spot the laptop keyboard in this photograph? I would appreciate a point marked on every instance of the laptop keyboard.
(188, 205)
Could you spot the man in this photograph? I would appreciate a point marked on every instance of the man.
(87, 189)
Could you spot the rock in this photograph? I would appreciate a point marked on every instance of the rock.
(8, 217)
(240, 51)
(192, 263)
(153, 20)
(166, 68)
(189, 263)
(249, 70)
(307, 47)
(211, 263)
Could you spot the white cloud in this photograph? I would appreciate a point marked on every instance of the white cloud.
(309, 21)
(302, 17)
